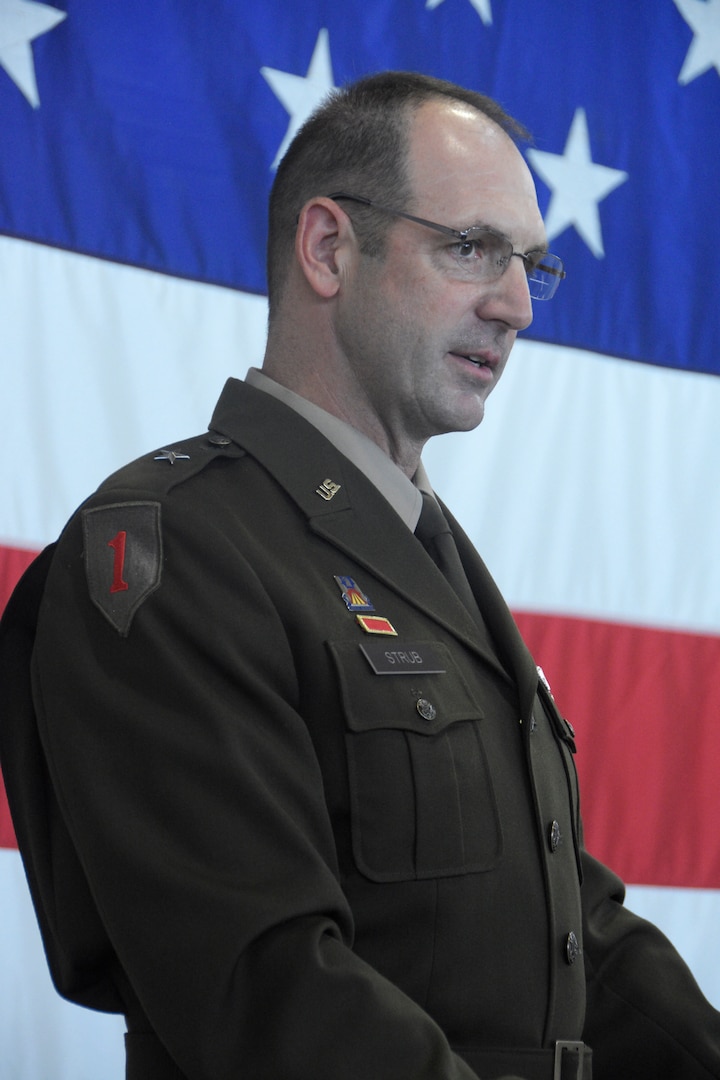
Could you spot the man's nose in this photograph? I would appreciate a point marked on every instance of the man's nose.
(508, 298)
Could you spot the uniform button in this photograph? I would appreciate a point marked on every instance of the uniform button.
(426, 709)
(554, 836)
(219, 440)
(572, 948)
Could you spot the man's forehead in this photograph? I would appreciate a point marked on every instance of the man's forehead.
(445, 132)
(464, 165)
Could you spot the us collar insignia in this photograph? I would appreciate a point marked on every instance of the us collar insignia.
(355, 599)
(328, 489)
(376, 624)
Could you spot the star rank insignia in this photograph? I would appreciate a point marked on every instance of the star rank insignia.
(355, 599)
(171, 456)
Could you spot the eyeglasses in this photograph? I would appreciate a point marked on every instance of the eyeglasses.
(483, 253)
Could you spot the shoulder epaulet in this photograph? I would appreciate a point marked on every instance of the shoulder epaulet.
(165, 468)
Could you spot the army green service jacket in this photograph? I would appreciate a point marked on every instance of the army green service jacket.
(282, 805)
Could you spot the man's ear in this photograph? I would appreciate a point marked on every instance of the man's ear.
(323, 238)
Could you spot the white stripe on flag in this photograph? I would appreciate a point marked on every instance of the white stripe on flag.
(102, 363)
(690, 918)
(590, 488)
(43, 1037)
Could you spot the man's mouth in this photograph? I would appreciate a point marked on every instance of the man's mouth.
(478, 360)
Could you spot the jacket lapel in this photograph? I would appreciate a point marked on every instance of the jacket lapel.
(503, 627)
(346, 509)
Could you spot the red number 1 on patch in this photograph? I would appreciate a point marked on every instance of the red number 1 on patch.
(118, 546)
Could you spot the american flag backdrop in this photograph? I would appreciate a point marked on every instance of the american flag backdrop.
(138, 142)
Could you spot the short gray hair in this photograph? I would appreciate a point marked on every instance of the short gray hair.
(357, 141)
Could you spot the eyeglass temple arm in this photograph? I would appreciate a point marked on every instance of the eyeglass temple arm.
(461, 234)
(444, 229)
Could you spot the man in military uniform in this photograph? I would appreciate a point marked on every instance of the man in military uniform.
(291, 793)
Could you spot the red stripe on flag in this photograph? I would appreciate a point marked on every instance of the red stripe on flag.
(644, 704)
(13, 563)
(7, 833)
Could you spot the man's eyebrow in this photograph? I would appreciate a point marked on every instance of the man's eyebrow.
(542, 246)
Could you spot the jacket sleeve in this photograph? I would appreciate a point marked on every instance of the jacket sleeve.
(190, 788)
(646, 1016)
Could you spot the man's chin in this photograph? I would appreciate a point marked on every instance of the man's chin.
(463, 420)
